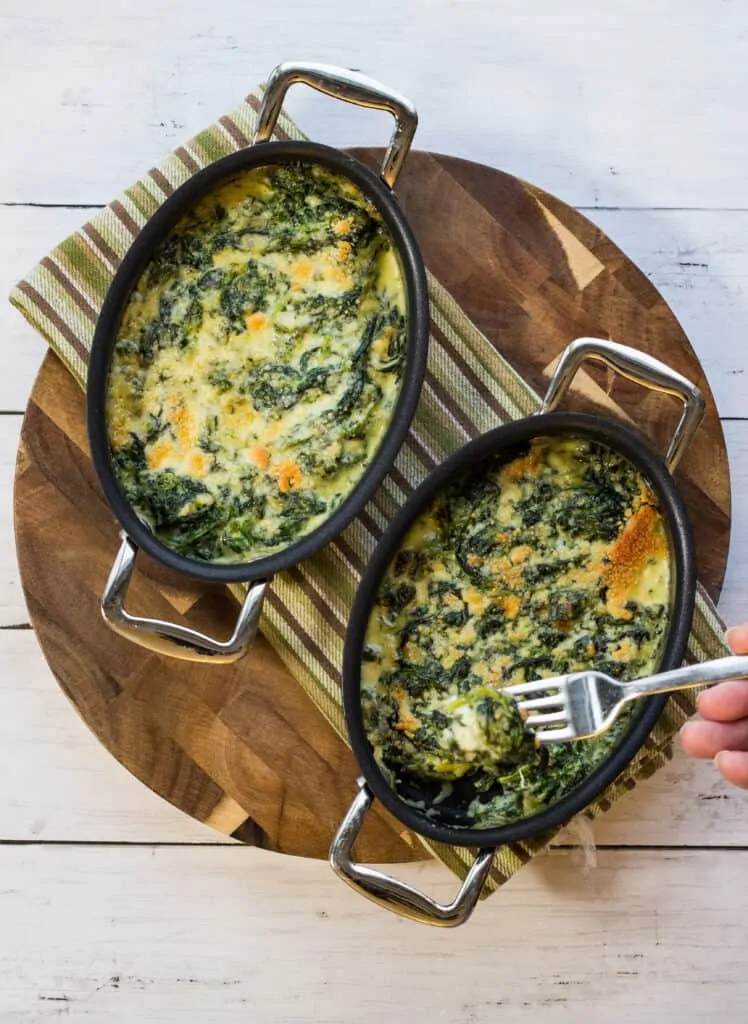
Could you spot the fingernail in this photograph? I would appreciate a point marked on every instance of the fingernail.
(721, 754)
(728, 633)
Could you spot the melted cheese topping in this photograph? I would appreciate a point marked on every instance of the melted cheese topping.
(555, 561)
(257, 364)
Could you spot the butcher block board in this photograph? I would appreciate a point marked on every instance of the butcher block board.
(241, 747)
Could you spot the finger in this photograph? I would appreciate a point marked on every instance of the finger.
(733, 765)
(737, 638)
(707, 739)
(725, 702)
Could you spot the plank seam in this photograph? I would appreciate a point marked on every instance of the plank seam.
(237, 845)
(29, 203)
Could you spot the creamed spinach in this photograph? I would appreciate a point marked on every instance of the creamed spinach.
(257, 364)
(554, 561)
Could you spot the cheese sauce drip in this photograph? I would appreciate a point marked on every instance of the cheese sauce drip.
(257, 364)
(553, 562)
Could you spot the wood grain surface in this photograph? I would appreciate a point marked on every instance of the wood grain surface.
(241, 747)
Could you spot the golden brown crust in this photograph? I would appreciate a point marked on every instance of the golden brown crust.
(641, 540)
(525, 465)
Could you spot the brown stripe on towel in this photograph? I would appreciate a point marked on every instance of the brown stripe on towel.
(102, 245)
(44, 307)
(65, 282)
(161, 180)
(233, 131)
(302, 634)
(124, 217)
(188, 160)
(319, 603)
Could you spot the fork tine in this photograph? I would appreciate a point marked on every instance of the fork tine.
(555, 735)
(538, 686)
(553, 701)
(553, 718)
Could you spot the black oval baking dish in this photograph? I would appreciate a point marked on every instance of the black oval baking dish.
(508, 440)
(173, 638)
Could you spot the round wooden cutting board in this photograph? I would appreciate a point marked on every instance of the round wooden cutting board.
(241, 747)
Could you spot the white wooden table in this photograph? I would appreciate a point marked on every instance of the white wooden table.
(113, 906)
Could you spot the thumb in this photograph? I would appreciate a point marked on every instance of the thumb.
(737, 638)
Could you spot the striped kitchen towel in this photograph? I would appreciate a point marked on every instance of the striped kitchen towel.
(305, 618)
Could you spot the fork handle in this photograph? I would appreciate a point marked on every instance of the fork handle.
(702, 673)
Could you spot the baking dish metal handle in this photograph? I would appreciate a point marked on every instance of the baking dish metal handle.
(342, 84)
(399, 897)
(169, 637)
(641, 368)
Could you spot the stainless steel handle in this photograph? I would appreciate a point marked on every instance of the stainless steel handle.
(399, 897)
(702, 673)
(169, 637)
(342, 84)
(642, 369)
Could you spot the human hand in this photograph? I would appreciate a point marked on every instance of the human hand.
(722, 732)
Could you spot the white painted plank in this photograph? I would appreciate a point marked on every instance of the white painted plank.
(12, 605)
(734, 601)
(698, 260)
(636, 104)
(26, 235)
(222, 934)
(56, 780)
(687, 803)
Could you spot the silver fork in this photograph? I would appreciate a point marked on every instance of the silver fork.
(584, 704)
